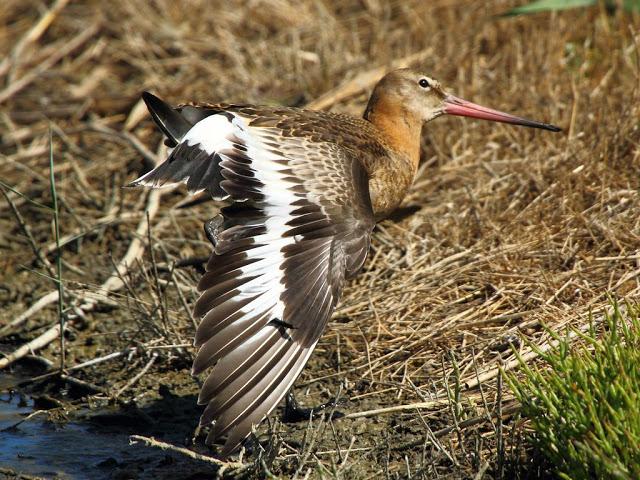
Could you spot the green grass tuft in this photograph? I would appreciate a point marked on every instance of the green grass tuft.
(557, 5)
(585, 409)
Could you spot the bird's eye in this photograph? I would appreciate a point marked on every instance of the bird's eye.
(424, 83)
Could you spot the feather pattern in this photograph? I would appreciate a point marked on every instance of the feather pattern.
(298, 225)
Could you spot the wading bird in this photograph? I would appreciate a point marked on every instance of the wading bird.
(304, 191)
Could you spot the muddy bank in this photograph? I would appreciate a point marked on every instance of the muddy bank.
(54, 428)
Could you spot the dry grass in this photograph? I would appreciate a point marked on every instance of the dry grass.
(513, 227)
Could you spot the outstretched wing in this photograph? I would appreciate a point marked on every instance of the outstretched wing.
(299, 225)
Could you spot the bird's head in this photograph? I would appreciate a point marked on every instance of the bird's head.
(424, 99)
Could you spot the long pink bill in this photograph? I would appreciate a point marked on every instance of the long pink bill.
(458, 106)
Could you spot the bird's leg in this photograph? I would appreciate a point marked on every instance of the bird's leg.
(196, 434)
(251, 444)
(293, 412)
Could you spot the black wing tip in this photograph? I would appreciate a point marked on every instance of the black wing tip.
(171, 122)
(138, 182)
(151, 101)
(155, 105)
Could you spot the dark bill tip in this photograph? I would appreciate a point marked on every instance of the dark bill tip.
(463, 108)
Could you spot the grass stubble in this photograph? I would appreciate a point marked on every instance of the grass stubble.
(508, 229)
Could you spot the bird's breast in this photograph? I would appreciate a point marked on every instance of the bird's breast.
(388, 187)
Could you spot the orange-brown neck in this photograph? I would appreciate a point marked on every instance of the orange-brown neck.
(400, 130)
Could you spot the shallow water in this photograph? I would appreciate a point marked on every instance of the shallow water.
(93, 445)
(39, 447)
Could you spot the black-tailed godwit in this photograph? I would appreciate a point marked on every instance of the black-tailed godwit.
(304, 190)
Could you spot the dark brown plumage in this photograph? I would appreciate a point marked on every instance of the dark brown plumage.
(305, 189)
